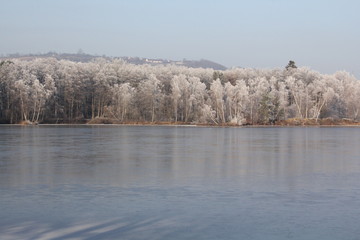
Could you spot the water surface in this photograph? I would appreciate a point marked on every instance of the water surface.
(160, 182)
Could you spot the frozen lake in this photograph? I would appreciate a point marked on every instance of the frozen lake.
(144, 182)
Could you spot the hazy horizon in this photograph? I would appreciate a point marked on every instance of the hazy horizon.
(322, 35)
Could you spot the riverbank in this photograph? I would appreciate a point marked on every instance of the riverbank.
(282, 123)
(287, 122)
(319, 122)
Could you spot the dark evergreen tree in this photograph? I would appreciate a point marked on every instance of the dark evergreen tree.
(291, 65)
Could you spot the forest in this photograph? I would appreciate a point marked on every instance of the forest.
(47, 90)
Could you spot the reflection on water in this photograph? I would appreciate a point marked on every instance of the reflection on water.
(179, 182)
(123, 156)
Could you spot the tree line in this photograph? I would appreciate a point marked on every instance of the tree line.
(61, 91)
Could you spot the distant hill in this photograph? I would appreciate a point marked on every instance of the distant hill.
(83, 57)
(75, 57)
(204, 64)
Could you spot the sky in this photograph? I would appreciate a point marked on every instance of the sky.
(321, 34)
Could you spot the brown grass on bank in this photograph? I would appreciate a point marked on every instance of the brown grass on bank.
(319, 122)
(287, 122)
(27, 123)
(102, 120)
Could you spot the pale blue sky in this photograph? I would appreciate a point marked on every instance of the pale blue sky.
(321, 34)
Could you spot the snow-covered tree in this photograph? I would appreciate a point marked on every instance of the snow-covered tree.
(149, 98)
(66, 91)
(122, 97)
(217, 93)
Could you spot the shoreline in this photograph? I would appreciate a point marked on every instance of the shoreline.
(291, 122)
(187, 125)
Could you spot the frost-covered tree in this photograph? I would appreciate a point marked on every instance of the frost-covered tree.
(299, 92)
(7, 91)
(122, 98)
(180, 96)
(240, 100)
(52, 90)
(149, 98)
(322, 93)
(258, 90)
(217, 93)
(348, 90)
(197, 96)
